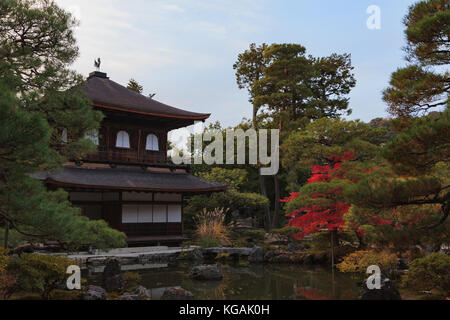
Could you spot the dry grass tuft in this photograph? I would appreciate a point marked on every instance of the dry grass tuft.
(211, 225)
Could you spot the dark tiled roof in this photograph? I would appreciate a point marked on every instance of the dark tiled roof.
(128, 178)
(109, 94)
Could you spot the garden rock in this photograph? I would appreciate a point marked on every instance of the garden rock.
(257, 254)
(94, 293)
(291, 247)
(206, 272)
(196, 255)
(112, 277)
(142, 292)
(177, 294)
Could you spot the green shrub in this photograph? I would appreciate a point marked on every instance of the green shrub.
(40, 273)
(255, 234)
(132, 280)
(322, 240)
(429, 273)
(208, 242)
(288, 231)
(7, 280)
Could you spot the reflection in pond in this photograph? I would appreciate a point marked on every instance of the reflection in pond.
(278, 282)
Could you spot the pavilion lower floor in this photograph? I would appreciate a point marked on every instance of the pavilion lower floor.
(144, 202)
(144, 217)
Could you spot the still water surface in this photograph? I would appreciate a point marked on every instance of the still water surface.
(277, 282)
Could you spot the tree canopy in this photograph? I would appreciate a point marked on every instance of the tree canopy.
(39, 98)
(410, 193)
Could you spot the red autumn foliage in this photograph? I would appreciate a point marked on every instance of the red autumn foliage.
(314, 218)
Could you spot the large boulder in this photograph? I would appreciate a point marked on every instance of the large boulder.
(206, 272)
(177, 294)
(388, 291)
(112, 277)
(94, 293)
(256, 255)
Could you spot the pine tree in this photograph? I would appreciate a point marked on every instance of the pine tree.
(323, 138)
(421, 87)
(292, 89)
(411, 192)
(249, 69)
(296, 88)
(37, 46)
(135, 86)
(35, 105)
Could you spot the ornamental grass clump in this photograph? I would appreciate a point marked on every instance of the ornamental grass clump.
(211, 228)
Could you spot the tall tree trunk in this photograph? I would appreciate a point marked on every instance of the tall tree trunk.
(361, 244)
(276, 211)
(276, 183)
(334, 242)
(255, 112)
(262, 185)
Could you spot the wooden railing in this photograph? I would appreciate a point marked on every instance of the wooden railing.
(127, 156)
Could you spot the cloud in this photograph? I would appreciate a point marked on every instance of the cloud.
(172, 7)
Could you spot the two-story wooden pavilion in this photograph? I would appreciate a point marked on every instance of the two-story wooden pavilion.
(128, 181)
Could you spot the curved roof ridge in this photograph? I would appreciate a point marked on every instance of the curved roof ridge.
(109, 94)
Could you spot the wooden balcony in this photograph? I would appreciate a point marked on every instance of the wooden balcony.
(118, 155)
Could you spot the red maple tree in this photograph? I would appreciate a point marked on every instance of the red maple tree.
(330, 208)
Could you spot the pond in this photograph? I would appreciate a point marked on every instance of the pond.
(275, 282)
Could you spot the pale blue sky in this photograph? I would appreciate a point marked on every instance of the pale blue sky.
(184, 50)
